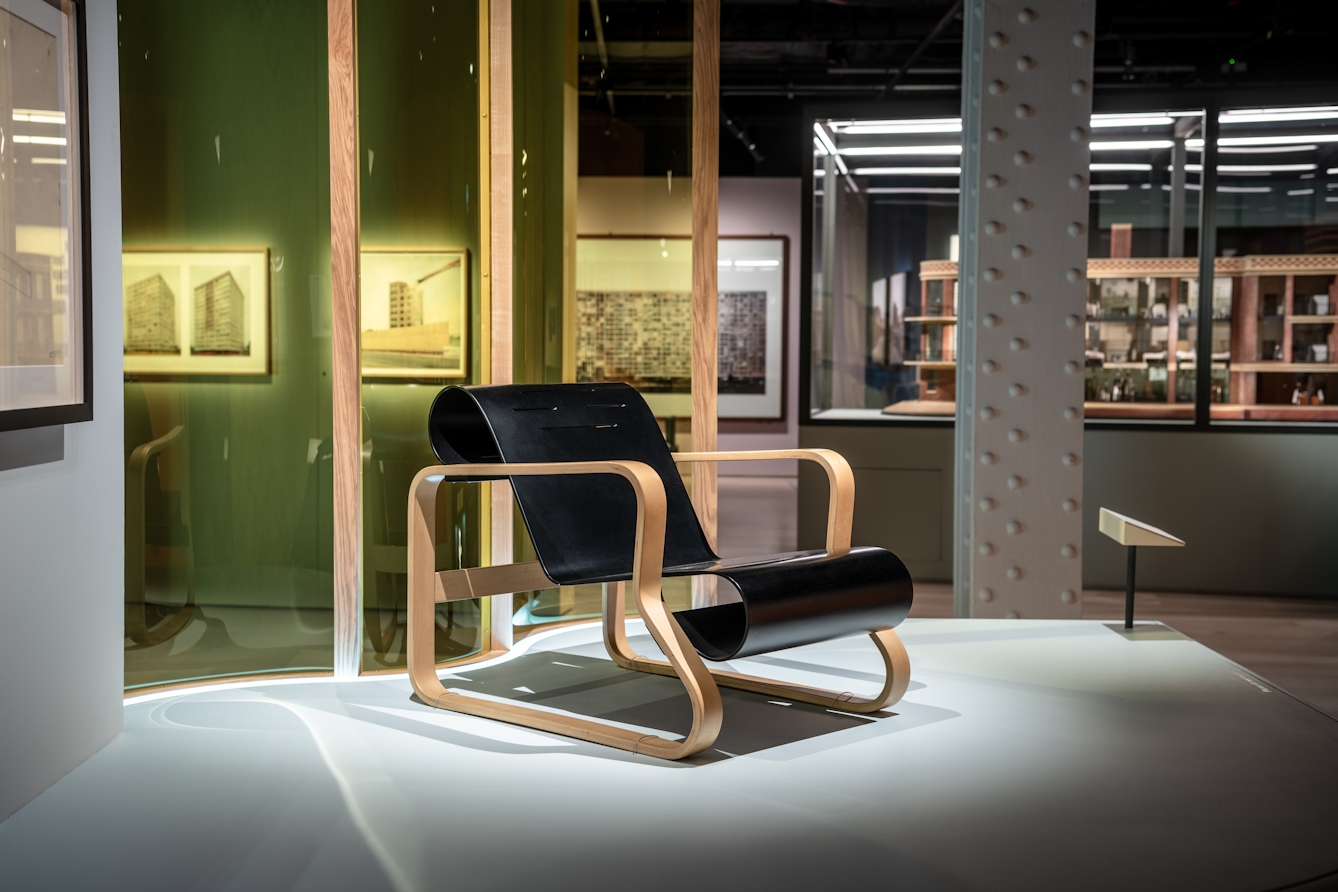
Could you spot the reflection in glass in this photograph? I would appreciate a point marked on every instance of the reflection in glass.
(418, 94)
(228, 505)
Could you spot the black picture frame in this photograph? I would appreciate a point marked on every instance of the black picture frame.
(47, 416)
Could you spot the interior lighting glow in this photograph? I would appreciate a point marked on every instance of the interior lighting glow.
(1244, 189)
(1104, 166)
(1131, 145)
(1332, 170)
(828, 147)
(906, 171)
(1300, 191)
(48, 161)
(903, 150)
(1264, 150)
(1250, 168)
(1277, 140)
(1110, 187)
(39, 116)
(39, 140)
(819, 147)
(1131, 120)
(1272, 115)
(912, 190)
(923, 125)
(819, 172)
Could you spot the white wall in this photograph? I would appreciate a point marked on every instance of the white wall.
(61, 540)
(767, 206)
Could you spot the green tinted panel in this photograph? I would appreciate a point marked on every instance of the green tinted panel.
(224, 151)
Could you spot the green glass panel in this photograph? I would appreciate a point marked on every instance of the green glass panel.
(418, 99)
(224, 148)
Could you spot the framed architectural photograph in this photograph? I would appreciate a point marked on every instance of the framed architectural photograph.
(46, 344)
(634, 321)
(193, 311)
(415, 312)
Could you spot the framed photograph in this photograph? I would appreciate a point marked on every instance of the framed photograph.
(415, 312)
(46, 298)
(189, 311)
(634, 320)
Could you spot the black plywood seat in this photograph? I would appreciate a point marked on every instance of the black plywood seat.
(583, 527)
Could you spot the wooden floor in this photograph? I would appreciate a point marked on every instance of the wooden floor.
(1292, 642)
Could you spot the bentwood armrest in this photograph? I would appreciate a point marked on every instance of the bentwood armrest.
(840, 480)
(647, 565)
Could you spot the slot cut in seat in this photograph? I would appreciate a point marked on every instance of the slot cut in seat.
(564, 449)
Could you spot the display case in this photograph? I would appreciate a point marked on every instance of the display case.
(1274, 348)
(936, 367)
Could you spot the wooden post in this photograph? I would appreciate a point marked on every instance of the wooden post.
(346, 373)
(705, 227)
(501, 267)
(705, 231)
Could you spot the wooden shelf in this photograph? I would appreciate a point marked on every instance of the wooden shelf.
(1312, 320)
(1279, 366)
(933, 320)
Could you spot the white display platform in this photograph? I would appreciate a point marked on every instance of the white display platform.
(1027, 755)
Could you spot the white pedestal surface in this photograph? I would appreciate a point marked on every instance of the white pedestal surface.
(1027, 755)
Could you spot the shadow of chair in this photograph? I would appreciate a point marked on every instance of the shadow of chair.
(157, 524)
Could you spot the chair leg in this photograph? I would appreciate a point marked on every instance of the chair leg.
(684, 663)
(896, 665)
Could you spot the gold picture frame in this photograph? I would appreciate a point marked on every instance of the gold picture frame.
(415, 312)
(196, 311)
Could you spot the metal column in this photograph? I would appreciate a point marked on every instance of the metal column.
(1026, 108)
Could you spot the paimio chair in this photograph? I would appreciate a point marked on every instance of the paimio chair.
(564, 447)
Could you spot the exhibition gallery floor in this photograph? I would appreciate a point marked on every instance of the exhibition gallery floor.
(1027, 755)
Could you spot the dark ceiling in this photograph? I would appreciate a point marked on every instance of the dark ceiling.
(782, 62)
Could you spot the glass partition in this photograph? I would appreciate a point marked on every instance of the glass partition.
(226, 216)
(884, 324)
(603, 96)
(418, 97)
(1277, 245)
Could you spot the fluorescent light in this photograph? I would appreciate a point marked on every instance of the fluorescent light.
(1277, 140)
(48, 161)
(819, 172)
(39, 140)
(1250, 168)
(1110, 187)
(756, 263)
(923, 125)
(1244, 189)
(1264, 150)
(724, 263)
(906, 171)
(1265, 115)
(39, 116)
(903, 150)
(820, 132)
(1300, 191)
(1131, 120)
(912, 190)
(1332, 170)
(819, 147)
(1186, 114)
(1101, 167)
(1131, 145)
